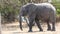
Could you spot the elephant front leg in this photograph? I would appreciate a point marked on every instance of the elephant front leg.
(30, 24)
(38, 24)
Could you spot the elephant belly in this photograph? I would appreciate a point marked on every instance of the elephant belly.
(43, 17)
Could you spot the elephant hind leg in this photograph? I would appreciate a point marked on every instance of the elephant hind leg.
(38, 24)
(53, 26)
(53, 21)
(49, 27)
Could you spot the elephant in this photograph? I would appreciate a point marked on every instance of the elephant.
(36, 12)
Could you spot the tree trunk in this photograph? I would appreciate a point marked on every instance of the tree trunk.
(0, 23)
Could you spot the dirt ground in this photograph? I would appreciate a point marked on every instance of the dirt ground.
(13, 28)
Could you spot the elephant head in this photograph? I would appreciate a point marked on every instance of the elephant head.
(26, 10)
(23, 12)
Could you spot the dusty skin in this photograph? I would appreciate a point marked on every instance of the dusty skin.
(13, 28)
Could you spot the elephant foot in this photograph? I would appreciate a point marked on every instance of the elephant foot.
(30, 31)
(53, 30)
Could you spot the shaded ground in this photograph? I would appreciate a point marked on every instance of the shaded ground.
(13, 28)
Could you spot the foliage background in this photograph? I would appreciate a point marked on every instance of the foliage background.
(9, 9)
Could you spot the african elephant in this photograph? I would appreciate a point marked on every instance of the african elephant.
(41, 11)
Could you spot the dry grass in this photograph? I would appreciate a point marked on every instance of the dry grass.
(14, 29)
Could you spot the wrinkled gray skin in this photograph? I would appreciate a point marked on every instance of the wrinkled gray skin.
(42, 11)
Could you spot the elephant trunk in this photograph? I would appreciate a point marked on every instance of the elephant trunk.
(20, 20)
